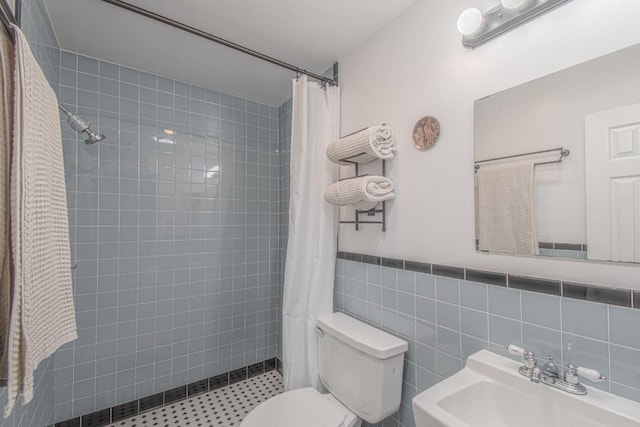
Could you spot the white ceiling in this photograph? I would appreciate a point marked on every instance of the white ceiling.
(311, 34)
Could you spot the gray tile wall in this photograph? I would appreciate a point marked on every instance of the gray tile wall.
(39, 412)
(36, 26)
(175, 230)
(445, 320)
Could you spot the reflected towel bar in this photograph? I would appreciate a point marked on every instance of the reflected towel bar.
(563, 153)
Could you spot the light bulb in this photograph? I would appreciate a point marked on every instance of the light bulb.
(515, 4)
(469, 21)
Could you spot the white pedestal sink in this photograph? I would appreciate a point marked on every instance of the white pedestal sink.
(489, 392)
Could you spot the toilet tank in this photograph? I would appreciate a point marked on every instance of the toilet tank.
(361, 366)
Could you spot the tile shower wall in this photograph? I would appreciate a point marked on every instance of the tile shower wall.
(445, 320)
(175, 232)
(37, 28)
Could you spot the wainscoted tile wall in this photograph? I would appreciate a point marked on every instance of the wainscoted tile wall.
(445, 319)
(175, 231)
(564, 250)
(37, 28)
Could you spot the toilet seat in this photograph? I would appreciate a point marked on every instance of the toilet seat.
(301, 407)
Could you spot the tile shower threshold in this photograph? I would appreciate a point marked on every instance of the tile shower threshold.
(223, 407)
(105, 417)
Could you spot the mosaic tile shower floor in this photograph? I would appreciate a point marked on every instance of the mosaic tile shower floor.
(224, 407)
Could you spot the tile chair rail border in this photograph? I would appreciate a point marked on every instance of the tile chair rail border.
(600, 294)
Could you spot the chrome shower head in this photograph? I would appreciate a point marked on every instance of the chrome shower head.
(93, 137)
(83, 125)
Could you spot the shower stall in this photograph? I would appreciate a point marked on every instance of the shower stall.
(175, 223)
(177, 202)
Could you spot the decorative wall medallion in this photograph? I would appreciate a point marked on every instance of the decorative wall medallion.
(426, 132)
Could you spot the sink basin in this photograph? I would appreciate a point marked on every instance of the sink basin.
(489, 392)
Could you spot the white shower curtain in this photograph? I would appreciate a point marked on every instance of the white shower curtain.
(312, 245)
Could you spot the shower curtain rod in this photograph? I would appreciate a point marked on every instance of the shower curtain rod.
(189, 29)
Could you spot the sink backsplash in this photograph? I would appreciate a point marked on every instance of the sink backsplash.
(447, 313)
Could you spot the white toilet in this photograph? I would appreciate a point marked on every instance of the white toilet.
(360, 365)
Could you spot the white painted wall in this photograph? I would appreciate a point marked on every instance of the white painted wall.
(416, 66)
(550, 112)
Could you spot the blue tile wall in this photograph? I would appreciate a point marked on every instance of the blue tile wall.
(37, 28)
(445, 320)
(39, 412)
(175, 227)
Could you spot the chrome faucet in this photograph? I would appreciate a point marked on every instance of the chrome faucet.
(549, 373)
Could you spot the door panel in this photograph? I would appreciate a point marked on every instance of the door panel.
(613, 184)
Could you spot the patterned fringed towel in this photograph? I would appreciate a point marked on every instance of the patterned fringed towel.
(42, 312)
(363, 192)
(6, 123)
(376, 142)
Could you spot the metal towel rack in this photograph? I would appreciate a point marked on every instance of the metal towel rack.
(370, 212)
(563, 154)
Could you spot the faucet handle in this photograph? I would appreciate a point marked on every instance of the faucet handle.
(527, 356)
(528, 359)
(515, 350)
(591, 374)
(573, 373)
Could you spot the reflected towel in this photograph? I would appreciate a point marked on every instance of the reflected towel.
(363, 192)
(42, 310)
(376, 142)
(506, 208)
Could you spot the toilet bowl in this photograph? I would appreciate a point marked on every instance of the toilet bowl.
(301, 407)
(360, 366)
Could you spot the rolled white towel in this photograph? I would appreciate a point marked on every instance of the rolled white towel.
(363, 192)
(375, 142)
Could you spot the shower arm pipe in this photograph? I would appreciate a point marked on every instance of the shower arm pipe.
(192, 30)
(64, 110)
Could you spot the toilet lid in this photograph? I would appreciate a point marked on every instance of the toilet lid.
(302, 407)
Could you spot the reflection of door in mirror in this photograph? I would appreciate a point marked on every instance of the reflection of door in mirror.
(613, 184)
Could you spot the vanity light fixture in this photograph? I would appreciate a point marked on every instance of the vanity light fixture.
(516, 4)
(470, 21)
(478, 28)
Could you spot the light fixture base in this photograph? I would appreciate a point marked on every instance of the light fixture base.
(499, 20)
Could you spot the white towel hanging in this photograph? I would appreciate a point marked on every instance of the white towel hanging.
(375, 142)
(363, 192)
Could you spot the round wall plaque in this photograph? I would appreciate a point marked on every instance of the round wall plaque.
(426, 133)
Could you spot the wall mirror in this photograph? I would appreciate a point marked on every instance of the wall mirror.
(557, 163)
